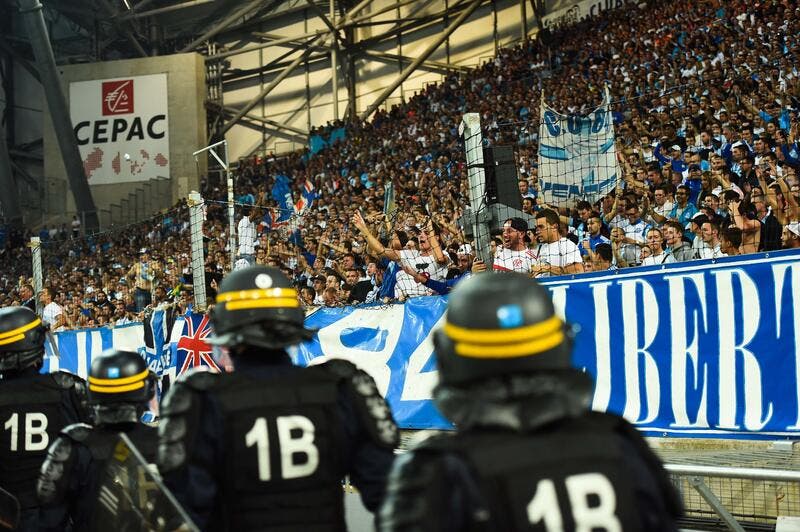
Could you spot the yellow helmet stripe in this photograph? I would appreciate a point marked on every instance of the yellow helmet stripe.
(278, 302)
(510, 350)
(256, 293)
(119, 382)
(116, 389)
(504, 336)
(18, 334)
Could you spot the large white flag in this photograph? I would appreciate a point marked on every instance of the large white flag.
(577, 158)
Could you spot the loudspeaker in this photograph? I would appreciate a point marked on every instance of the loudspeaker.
(502, 184)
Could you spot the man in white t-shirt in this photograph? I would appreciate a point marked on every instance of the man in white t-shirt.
(557, 255)
(635, 230)
(52, 313)
(247, 234)
(514, 256)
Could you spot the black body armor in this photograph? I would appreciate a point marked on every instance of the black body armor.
(33, 410)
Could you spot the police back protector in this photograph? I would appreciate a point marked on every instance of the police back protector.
(569, 476)
(32, 411)
(282, 467)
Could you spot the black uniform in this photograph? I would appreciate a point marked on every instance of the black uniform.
(527, 464)
(33, 409)
(75, 468)
(76, 484)
(266, 447)
(528, 454)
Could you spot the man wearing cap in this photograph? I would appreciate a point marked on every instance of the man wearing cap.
(514, 256)
(695, 228)
(791, 236)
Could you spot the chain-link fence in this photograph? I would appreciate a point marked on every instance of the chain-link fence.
(114, 276)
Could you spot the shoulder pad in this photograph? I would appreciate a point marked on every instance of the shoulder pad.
(77, 431)
(178, 422)
(199, 379)
(52, 477)
(67, 380)
(178, 400)
(339, 367)
(373, 409)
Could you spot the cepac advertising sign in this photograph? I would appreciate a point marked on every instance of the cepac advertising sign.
(122, 128)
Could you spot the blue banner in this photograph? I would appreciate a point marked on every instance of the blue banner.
(700, 349)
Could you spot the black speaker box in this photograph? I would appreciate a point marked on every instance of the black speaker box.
(501, 177)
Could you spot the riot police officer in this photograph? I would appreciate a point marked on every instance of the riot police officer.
(33, 409)
(266, 446)
(72, 476)
(528, 454)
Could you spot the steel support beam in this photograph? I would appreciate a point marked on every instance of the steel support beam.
(9, 199)
(166, 9)
(325, 20)
(423, 57)
(437, 65)
(224, 23)
(266, 90)
(125, 31)
(232, 111)
(34, 20)
(334, 63)
(22, 60)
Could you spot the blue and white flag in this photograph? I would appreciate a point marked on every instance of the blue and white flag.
(282, 194)
(577, 157)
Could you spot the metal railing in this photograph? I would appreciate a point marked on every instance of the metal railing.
(762, 486)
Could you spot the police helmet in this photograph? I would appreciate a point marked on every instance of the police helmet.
(258, 306)
(22, 336)
(120, 377)
(500, 324)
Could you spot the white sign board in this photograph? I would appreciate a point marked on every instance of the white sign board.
(122, 128)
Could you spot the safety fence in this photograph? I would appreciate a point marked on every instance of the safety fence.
(738, 498)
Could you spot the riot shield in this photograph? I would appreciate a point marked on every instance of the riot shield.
(132, 496)
(9, 511)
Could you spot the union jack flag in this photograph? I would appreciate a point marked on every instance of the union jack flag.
(192, 350)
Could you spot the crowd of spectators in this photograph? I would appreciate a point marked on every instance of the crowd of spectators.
(705, 98)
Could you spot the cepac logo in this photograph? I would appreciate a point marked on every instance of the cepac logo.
(117, 97)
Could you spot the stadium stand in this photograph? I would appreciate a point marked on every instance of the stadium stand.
(705, 104)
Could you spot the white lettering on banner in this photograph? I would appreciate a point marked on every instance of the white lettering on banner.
(682, 349)
(373, 362)
(749, 307)
(602, 341)
(778, 274)
(633, 349)
(418, 386)
(559, 295)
